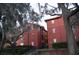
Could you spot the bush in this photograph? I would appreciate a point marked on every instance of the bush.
(59, 45)
(77, 44)
(18, 50)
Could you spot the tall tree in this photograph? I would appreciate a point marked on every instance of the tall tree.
(66, 13)
(9, 14)
(70, 36)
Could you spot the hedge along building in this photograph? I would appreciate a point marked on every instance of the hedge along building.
(57, 32)
(34, 37)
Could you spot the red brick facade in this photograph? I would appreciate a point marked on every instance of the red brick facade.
(57, 32)
(23, 39)
(33, 37)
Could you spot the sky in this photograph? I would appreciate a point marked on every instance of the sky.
(39, 57)
(36, 9)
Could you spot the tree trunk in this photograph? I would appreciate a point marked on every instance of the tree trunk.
(69, 33)
(3, 40)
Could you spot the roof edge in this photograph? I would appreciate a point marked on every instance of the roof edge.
(53, 18)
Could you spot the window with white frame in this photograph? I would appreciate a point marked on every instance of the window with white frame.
(32, 43)
(54, 40)
(53, 21)
(54, 30)
(21, 44)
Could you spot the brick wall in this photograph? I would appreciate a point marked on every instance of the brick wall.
(59, 34)
(56, 31)
(35, 38)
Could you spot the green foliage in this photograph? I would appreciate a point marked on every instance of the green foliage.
(59, 45)
(78, 44)
(19, 50)
(44, 46)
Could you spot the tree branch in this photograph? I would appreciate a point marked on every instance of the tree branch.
(73, 12)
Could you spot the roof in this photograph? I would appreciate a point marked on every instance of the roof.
(53, 18)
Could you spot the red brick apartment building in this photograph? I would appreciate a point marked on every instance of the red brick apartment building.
(34, 37)
(57, 32)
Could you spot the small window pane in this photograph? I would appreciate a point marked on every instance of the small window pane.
(21, 44)
(53, 30)
(32, 43)
(54, 40)
(52, 21)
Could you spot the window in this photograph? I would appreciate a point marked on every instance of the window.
(21, 38)
(54, 40)
(21, 44)
(53, 30)
(52, 21)
(32, 43)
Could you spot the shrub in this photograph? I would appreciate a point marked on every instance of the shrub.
(59, 45)
(18, 50)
